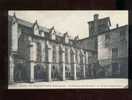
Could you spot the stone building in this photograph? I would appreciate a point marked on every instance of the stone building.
(113, 51)
(37, 53)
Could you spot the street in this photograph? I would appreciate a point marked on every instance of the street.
(74, 84)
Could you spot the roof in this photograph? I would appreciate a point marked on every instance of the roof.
(28, 24)
(114, 29)
(102, 19)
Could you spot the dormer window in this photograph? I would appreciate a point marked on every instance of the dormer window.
(36, 28)
(66, 37)
(53, 36)
(53, 33)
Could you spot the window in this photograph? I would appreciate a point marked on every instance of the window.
(66, 56)
(72, 57)
(54, 54)
(81, 59)
(115, 68)
(67, 72)
(53, 36)
(91, 29)
(114, 52)
(38, 52)
(76, 57)
(122, 35)
(103, 27)
(107, 36)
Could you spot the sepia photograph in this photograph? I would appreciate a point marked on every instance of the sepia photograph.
(67, 49)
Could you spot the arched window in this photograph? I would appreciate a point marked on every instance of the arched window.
(39, 52)
(66, 55)
(54, 53)
(76, 57)
(72, 56)
(81, 58)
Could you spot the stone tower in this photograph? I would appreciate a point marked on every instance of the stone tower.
(98, 25)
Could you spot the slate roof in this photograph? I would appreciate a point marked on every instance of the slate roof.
(28, 24)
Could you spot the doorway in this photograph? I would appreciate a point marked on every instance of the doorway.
(39, 73)
(20, 73)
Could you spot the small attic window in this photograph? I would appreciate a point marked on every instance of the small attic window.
(66, 37)
(53, 36)
(53, 33)
(36, 28)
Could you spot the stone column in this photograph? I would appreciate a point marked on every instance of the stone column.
(14, 34)
(84, 74)
(49, 72)
(62, 62)
(11, 69)
(49, 60)
(75, 76)
(43, 51)
(63, 71)
(14, 47)
(86, 66)
(33, 56)
(74, 66)
(32, 72)
(92, 73)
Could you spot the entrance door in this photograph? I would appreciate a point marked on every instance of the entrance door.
(55, 73)
(68, 73)
(39, 73)
(20, 73)
(78, 72)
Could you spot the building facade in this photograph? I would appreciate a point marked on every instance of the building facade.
(37, 53)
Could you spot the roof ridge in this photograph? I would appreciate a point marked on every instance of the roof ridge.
(99, 19)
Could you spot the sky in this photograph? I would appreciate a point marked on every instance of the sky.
(75, 22)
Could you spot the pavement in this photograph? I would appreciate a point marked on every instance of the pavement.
(110, 83)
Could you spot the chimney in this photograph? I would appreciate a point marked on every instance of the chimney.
(96, 16)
